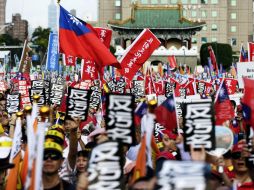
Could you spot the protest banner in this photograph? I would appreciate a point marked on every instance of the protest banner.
(105, 167)
(181, 175)
(138, 52)
(198, 122)
(78, 103)
(95, 99)
(120, 118)
(13, 103)
(52, 55)
(56, 94)
(169, 89)
(138, 89)
(41, 93)
(244, 69)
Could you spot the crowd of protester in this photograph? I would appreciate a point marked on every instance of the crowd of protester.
(69, 142)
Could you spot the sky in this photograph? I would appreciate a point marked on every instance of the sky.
(36, 11)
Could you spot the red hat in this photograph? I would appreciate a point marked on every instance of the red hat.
(165, 154)
(170, 134)
(238, 147)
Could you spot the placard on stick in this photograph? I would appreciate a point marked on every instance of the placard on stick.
(78, 103)
(198, 122)
(120, 118)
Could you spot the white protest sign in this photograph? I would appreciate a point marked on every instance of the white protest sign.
(244, 69)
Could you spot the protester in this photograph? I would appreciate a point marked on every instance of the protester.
(52, 162)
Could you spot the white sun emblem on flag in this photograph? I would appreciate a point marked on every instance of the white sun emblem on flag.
(222, 92)
(74, 20)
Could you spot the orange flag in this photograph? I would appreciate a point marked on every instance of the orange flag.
(13, 174)
(140, 168)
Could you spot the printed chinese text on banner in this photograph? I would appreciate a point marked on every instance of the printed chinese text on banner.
(52, 58)
(104, 35)
(138, 52)
(76, 38)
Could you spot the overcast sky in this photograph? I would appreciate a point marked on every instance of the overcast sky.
(36, 11)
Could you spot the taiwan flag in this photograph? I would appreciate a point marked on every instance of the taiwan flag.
(243, 55)
(223, 108)
(166, 114)
(79, 39)
(247, 101)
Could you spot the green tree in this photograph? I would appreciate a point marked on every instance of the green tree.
(223, 53)
(6, 39)
(40, 38)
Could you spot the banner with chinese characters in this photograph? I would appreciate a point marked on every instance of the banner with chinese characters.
(95, 99)
(78, 103)
(138, 52)
(53, 56)
(42, 84)
(105, 167)
(120, 118)
(56, 94)
(198, 122)
(41, 93)
(138, 89)
(12, 103)
(105, 35)
(182, 175)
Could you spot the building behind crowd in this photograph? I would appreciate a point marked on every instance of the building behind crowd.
(18, 28)
(2, 12)
(228, 21)
(52, 16)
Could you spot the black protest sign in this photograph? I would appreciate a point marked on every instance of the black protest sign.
(181, 175)
(198, 122)
(179, 109)
(111, 85)
(138, 89)
(120, 118)
(201, 87)
(182, 93)
(42, 84)
(78, 103)
(41, 93)
(105, 167)
(12, 103)
(95, 97)
(56, 94)
(37, 84)
(120, 86)
(169, 89)
(47, 90)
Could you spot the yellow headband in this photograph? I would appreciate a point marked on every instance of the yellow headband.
(55, 133)
(53, 146)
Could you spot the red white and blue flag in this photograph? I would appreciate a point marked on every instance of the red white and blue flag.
(223, 108)
(247, 101)
(79, 39)
(243, 55)
(213, 59)
(166, 114)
